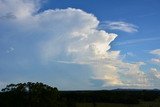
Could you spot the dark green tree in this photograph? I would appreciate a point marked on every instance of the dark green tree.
(29, 95)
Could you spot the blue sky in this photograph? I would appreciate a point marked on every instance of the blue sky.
(76, 45)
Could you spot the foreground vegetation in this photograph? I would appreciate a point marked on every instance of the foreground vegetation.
(41, 95)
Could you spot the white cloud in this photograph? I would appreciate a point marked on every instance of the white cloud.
(71, 36)
(119, 25)
(155, 72)
(130, 74)
(2, 84)
(155, 60)
(156, 52)
(83, 44)
(18, 8)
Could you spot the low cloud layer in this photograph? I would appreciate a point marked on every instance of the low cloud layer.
(68, 36)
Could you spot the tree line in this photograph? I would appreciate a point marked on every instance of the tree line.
(41, 95)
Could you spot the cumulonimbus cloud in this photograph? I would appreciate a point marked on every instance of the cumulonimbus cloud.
(82, 43)
(71, 36)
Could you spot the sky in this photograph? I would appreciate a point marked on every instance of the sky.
(80, 44)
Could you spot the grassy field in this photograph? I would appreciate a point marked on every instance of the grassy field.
(142, 104)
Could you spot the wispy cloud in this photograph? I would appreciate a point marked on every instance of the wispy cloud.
(156, 52)
(11, 49)
(119, 25)
(156, 60)
(134, 41)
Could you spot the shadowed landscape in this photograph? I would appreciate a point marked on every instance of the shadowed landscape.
(41, 95)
